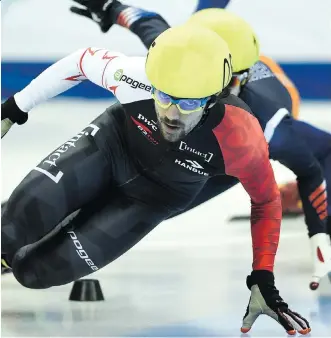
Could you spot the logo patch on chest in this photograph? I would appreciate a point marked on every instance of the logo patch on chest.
(193, 166)
(184, 147)
(146, 130)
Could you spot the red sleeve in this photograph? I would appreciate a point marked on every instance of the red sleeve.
(246, 156)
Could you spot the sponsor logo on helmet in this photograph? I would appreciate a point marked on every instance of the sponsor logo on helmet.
(184, 147)
(121, 77)
(193, 166)
(51, 170)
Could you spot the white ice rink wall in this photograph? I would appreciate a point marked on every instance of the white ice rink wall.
(35, 33)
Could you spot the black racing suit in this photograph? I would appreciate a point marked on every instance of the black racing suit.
(102, 191)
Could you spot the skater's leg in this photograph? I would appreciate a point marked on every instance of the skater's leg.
(97, 235)
(319, 143)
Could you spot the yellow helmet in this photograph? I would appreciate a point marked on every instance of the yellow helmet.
(238, 34)
(189, 61)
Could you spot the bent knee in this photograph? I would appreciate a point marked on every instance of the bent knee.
(25, 271)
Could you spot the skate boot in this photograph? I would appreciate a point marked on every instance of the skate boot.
(106, 13)
(103, 12)
(321, 252)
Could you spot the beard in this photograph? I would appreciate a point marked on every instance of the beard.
(172, 130)
(176, 129)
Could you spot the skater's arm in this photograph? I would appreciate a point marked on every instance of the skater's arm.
(147, 25)
(98, 65)
(58, 78)
(246, 157)
(257, 178)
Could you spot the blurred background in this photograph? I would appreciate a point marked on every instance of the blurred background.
(36, 33)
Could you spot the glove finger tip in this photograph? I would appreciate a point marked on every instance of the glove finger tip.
(305, 331)
(244, 329)
(291, 332)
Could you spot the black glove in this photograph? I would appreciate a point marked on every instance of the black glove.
(97, 10)
(10, 114)
(265, 299)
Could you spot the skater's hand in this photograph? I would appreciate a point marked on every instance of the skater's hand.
(10, 114)
(265, 299)
(96, 10)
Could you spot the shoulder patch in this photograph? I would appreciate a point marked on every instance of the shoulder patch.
(259, 71)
